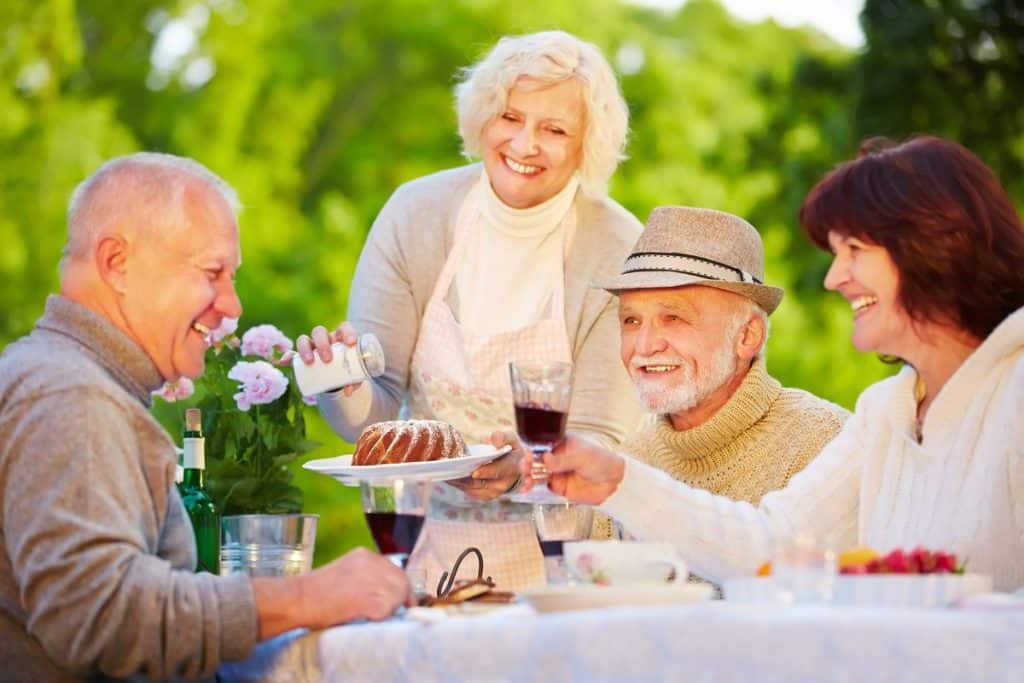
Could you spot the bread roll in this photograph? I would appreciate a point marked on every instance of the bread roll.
(387, 443)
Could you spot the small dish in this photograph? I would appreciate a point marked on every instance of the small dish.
(879, 590)
(591, 596)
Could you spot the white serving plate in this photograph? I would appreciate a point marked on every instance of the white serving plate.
(591, 596)
(342, 469)
(879, 590)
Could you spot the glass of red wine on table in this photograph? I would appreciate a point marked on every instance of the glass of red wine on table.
(394, 512)
(542, 393)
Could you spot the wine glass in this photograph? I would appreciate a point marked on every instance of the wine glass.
(542, 392)
(557, 523)
(395, 512)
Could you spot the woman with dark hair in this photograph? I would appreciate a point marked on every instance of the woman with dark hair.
(929, 252)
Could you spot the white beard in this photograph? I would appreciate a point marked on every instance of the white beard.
(691, 390)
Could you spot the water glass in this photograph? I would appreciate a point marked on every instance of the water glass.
(267, 545)
(804, 568)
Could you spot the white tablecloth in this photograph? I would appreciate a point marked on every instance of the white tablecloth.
(708, 642)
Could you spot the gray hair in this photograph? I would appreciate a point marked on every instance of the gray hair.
(550, 57)
(146, 186)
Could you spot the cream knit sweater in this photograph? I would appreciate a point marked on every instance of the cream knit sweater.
(759, 439)
(960, 489)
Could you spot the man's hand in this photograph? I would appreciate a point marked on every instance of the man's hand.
(580, 470)
(496, 478)
(358, 585)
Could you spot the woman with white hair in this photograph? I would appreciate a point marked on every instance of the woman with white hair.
(470, 268)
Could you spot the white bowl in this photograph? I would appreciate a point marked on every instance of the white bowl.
(884, 590)
(908, 590)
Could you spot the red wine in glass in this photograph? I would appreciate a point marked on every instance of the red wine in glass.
(541, 427)
(551, 548)
(394, 532)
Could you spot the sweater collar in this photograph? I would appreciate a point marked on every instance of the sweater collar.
(953, 400)
(745, 407)
(535, 221)
(126, 362)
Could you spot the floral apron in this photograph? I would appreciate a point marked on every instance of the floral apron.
(462, 378)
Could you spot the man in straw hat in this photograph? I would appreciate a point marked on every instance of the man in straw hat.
(693, 317)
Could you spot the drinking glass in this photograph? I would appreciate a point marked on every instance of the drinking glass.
(542, 392)
(804, 567)
(557, 523)
(395, 512)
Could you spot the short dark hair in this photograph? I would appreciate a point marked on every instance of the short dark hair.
(946, 221)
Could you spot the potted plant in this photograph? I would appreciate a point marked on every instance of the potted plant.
(254, 424)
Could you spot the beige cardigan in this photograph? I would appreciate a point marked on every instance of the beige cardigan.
(402, 259)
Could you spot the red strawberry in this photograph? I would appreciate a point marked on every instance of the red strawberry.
(945, 562)
(896, 561)
(921, 561)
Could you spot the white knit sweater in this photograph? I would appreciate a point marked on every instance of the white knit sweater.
(960, 489)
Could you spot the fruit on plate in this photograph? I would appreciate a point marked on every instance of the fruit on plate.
(856, 557)
(917, 561)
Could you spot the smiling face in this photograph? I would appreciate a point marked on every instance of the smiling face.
(866, 276)
(533, 147)
(180, 284)
(681, 346)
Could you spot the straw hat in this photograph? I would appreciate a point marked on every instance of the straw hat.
(683, 246)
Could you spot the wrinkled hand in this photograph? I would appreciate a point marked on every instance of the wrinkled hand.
(358, 585)
(496, 478)
(319, 341)
(579, 470)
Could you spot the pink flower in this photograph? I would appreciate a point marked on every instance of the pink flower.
(176, 391)
(264, 340)
(226, 329)
(261, 383)
(309, 400)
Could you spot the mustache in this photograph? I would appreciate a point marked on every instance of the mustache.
(637, 362)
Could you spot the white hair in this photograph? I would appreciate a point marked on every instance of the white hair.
(146, 188)
(550, 57)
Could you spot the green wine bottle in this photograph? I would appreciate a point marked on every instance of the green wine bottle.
(201, 510)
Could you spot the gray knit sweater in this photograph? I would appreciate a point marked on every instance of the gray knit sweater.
(95, 562)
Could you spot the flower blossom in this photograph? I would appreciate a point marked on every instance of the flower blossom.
(261, 383)
(226, 329)
(177, 390)
(309, 400)
(264, 340)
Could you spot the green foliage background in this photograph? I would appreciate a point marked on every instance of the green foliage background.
(317, 110)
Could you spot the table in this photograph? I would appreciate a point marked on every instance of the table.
(714, 641)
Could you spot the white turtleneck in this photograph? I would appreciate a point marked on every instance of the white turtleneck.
(515, 258)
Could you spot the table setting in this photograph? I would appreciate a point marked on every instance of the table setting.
(624, 610)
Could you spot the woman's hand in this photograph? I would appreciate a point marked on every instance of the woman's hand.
(498, 477)
(319, 341)
(579, 470)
